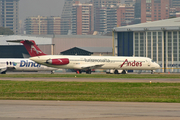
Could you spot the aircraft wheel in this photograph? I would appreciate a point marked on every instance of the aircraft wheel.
(52, 72)
(88, 72)
(116, 72)
(152, 72)
(4, 72)
(124, 72)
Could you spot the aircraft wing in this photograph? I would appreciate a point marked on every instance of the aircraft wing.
(2, 69)
(95, 66)
(11, 68)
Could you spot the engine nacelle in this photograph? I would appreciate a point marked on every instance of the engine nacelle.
(59, 61)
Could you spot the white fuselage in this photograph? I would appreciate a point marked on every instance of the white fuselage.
(13, 64)
(100, 62)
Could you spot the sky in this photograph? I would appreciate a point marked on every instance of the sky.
(29, 8)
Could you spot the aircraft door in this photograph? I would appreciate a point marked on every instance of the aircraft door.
(149, 62)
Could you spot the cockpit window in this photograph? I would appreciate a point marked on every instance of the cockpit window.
(152, 60)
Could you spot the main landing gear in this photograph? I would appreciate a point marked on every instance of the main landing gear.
(152, 72)
(88, 71)
(80, 71)
(112, 71)
(52, 71)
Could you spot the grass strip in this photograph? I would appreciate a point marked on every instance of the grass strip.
(89, 91)
(91, 75)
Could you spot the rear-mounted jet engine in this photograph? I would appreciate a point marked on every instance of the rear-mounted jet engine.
(60, 61)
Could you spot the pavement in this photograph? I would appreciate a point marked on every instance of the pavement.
(83, 110)
(76, 79)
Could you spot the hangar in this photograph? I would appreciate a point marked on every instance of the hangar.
(158, 40)
(55, 44)
(15, 50)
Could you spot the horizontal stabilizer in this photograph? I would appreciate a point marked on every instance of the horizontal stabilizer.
(20, 41)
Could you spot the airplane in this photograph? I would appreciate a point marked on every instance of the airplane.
(87, 63)
(21, 64)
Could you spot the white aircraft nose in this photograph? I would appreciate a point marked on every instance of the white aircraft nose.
(157, 66)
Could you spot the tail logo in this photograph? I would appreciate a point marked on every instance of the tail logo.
(14, 64)
(34, 49)
(133, 64)
(60, 60)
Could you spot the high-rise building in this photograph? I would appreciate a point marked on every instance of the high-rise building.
(174, 3)
(121, 15)
(101, 17)
(98, 4)
(112, 16)
(9, 15)
(82, 19)
(130, 2)
(129, 13)
(151, 10)
(1, 14)
(54, 25)
(106, 17)
(36, 25)
(43, 25)
(66, 16)
(174, 8)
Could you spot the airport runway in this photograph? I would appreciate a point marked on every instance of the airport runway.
(78, 110)
(147, 80)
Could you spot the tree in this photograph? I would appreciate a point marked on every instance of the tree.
(6, 31)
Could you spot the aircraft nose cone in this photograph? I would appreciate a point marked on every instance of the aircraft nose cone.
(158, 66)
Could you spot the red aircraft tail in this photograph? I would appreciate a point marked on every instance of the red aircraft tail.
(31, 47)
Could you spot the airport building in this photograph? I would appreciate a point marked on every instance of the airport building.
(55, 44)
(158, 40)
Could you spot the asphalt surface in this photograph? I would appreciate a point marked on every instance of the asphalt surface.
(77, 110)
(76, 79)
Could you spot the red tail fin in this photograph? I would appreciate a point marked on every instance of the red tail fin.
(32, 48)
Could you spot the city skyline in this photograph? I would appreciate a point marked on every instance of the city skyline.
(106, 14)
(29, 8)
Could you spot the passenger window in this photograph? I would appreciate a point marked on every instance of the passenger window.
(7, 63)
